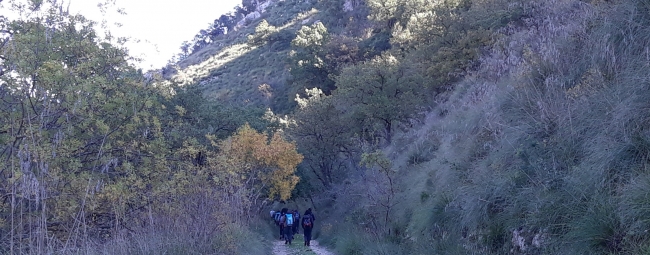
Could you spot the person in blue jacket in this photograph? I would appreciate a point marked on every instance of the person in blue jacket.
(286, 222)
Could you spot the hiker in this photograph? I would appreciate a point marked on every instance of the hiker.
(308, 225)
(272, 213)
(276, 217)
(286, 221)
(296, 218)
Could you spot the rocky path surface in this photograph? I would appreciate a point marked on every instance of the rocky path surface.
(297, 248)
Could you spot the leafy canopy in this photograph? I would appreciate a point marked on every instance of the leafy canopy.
(266, 163)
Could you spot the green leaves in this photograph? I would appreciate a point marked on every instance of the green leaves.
(322, 132)
(311, 37)
(380, 93)
(263, 33)
(76, 111)
(308, 59)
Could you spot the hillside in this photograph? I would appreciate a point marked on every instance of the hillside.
(409, 126)
(251, 63)
(518, 132)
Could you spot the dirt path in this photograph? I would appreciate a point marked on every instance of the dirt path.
(279, 248)
(297, 248)
(319, 249)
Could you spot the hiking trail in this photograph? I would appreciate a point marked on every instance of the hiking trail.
(297, 248)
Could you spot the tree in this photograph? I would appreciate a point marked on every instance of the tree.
(447, 37)
(322, 135)
(334, 15)
(79, 118)
(194, 116)
(90, 151)
(381, 180)
(223, 24)
(308, 59)
(185, 50)
(264, 166)
(385, 10)
(263, 34)
(341, 51)
(249, 6)
(380, 93)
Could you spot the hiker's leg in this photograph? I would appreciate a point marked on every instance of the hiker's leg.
(307, 232)
(290, 235)
(287, 234)
(284, 235)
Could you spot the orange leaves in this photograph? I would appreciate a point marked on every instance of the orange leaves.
(268, 164)
(247, 145)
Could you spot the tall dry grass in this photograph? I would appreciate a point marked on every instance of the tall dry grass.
(543, 150)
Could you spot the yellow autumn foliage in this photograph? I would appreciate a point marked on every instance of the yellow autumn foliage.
(264, 164)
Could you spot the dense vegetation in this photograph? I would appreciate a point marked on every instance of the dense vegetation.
(97, 159)
(410, 126)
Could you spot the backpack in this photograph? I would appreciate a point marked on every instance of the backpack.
(277, 217)
(306, 220)
(289, 220)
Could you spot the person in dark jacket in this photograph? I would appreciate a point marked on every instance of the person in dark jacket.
(279, 224)
(286, 228)
(308, 225)
(296, 219)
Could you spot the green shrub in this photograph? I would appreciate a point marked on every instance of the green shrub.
(423, 151)
(349, 244)
(424, 196)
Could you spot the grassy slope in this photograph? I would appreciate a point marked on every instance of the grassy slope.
(543, 150)
(231, 70)
(539, 146)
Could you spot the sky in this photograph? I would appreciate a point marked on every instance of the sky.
(160, 25)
